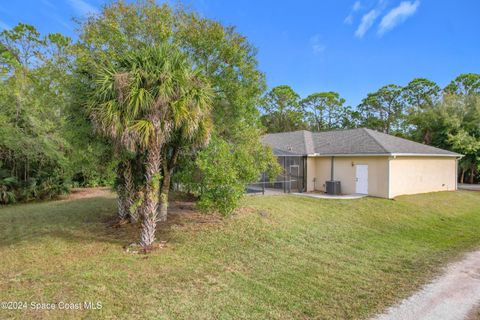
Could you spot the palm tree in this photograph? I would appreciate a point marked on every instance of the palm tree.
(111, 122)
(141, 100)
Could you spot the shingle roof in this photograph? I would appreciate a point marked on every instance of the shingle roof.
(295, 142)
(360, 141)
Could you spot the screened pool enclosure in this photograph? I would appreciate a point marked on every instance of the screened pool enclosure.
(291, 179)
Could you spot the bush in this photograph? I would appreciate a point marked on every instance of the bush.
(223, 169)
(220, 188)
(7, 189)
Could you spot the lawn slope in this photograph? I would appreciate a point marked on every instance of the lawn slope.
(279, 257)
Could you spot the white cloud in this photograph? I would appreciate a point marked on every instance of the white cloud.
(58, 19)
(316, 45)
(318, 48)
(82, 7)
(54, 16)
(48, 4)
(397, 15)
(348, 19)
(3, 25)
(367, 22)
(356, 6)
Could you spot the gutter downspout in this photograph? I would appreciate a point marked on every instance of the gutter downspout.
(388, 178)
(305, 174)
(456, 173)
(332, 169)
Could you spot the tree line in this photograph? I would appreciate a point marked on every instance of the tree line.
(447, 118)
(43, 146)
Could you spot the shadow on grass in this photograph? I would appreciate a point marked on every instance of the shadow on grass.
(87, 221)
(83, 220)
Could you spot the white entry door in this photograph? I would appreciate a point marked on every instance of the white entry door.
(361, 178)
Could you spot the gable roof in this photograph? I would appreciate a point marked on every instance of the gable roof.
(360, 141)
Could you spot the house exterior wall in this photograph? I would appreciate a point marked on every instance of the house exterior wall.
(388, 177)
(412, 175)
(344, 171)
(311, 167)
(318, 171)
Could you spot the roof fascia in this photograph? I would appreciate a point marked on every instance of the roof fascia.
(383, 155)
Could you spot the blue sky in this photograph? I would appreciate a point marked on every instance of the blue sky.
(349, 46)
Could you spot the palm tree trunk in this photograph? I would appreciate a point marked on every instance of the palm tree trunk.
(122, 212)
(167, 175)
(129, 191)
(149, 214)
(164, 196)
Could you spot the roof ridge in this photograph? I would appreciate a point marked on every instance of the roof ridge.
(375, 139)
(283, 132)
(336, 130)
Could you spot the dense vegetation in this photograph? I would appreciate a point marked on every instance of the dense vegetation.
(44, 148)
(281, 257)
(421, 111)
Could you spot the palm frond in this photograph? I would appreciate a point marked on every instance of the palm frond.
(149, 93)
(143, 129)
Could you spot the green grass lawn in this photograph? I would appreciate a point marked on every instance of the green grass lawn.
(279, 257)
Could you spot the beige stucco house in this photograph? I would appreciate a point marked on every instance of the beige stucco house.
(364, 161)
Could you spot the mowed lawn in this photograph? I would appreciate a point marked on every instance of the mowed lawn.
(279, 257)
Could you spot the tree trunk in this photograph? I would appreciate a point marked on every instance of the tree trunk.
(462, 176)
(164, 196)
(149, 214)
(426, 137)
(122, 213)
(168, 167)
(129, 190)
(472, 175)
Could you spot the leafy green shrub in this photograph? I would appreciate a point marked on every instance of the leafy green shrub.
(7, 189)
(223, 169)
(221, 188)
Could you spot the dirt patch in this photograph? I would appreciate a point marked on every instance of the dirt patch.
(83, 193)
(181, 214)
